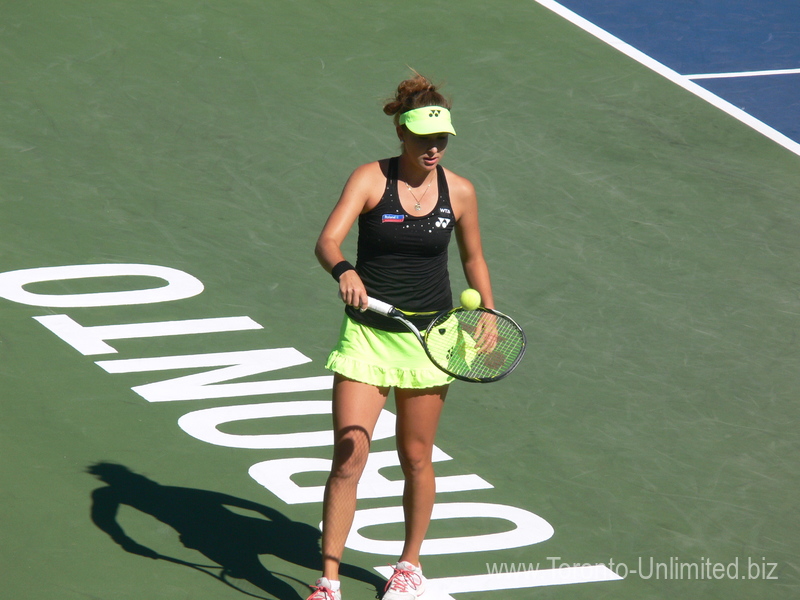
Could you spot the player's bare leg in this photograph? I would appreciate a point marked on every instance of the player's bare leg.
(418, 413)
(356, 408)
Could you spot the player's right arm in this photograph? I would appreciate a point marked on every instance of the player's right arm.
(357, 196)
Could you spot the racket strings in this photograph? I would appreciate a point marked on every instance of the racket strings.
(475, 344)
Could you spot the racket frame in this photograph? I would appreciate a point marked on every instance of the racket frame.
(386, 309)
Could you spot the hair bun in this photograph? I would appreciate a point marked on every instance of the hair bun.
(414, 92)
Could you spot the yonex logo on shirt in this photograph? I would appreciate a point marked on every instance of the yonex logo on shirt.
(442, 222)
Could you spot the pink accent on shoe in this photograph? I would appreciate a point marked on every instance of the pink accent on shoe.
(405, 582)
(322, 591)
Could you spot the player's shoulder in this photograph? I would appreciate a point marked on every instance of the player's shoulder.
(460, 187)
(376, 168)
(370, 172)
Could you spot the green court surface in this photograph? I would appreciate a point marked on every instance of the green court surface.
(647, 242)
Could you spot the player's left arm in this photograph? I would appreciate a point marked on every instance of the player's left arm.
(468, 236)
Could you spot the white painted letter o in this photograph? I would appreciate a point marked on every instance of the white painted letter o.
(530, 529)
(180, 285)
(203, 425)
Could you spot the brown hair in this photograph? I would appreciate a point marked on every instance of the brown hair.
(415, 92)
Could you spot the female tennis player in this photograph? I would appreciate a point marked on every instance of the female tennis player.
(407, 208)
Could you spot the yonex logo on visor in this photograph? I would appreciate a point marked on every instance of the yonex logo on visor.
(428, 120)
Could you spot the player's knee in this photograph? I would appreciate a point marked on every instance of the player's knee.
(349, 469)
(350, 454)
(415, 461)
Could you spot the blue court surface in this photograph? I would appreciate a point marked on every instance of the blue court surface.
(746, 52)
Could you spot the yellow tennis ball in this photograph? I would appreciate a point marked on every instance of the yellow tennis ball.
(470, 299)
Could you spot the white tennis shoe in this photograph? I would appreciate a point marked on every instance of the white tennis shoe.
(324, 591)
(406, 583)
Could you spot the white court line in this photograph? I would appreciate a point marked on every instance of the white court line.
(440, 589)
(681, 80)
(743, 74)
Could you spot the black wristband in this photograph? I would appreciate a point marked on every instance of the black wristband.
(340, 268)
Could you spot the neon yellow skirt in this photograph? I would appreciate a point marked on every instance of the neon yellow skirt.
(383, 358)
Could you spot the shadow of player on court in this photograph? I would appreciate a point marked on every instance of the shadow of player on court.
(205, 522)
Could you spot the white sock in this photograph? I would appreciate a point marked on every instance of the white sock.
(334, 584)
(414, 568)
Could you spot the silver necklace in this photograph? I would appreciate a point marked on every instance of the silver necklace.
(418, 201)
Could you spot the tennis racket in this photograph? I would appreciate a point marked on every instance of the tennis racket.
(478, 346)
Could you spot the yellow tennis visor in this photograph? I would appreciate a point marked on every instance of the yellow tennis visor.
(428, 120)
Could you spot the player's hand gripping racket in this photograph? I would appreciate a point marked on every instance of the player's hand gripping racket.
(479, 346)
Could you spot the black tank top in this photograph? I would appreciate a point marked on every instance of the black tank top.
(402, 258)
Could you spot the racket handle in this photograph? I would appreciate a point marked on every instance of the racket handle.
(379, 306)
